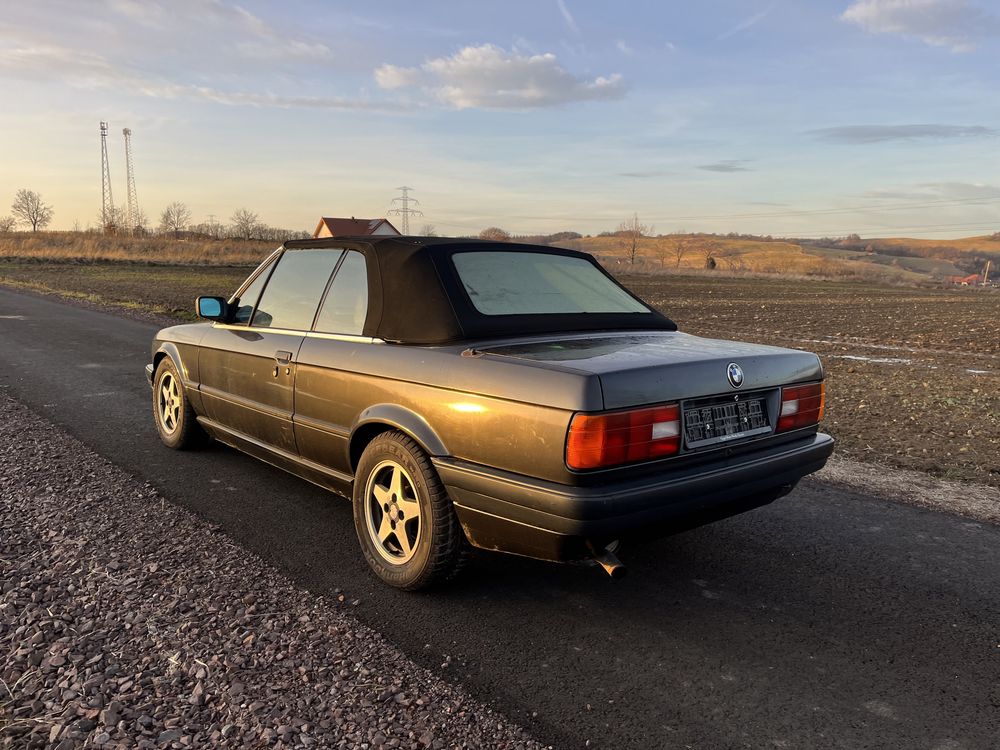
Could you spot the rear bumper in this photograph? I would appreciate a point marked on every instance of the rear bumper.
(149, 375)
(526, 516)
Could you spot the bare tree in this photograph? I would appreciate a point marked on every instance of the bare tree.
(681, 246)
(7, 224)
(708, 249)
(140, 223)
(629, 233)
(29, 208)
(494, 233)
(175, 218)
(245, 223)
(428, 230)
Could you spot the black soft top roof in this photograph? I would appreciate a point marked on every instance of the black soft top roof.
(416, 297)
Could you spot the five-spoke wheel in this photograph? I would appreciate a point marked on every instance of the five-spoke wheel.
(392, 512)
(169, 403)
(405, 521)
(175, 420)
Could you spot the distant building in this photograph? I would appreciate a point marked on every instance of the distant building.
(335, 227)
(973, 279)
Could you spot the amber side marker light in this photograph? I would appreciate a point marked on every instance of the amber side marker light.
(801, 406)
(601, 440)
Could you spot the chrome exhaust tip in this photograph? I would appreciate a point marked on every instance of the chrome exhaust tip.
(611, 564)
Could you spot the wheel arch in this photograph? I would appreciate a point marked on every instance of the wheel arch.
(380, 418)
(170, 349)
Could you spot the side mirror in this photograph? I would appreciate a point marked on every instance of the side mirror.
(211, 308)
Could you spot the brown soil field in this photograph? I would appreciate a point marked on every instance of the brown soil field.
(913, 375)
(166, 290)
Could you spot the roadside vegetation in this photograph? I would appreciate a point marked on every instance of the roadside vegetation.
(82, 247)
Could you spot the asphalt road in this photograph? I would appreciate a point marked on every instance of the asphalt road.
(829, 619)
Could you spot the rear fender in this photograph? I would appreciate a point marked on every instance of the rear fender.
(400, 418)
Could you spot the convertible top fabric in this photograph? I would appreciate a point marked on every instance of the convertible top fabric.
(416, 297)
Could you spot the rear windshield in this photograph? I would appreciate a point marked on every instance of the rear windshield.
(530, 283)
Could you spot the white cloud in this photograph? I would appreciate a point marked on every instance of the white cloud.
(567, 16)
(491, 78)
(957, 24)
(861, 134)
(229, 26)
(624, 48)
(91, 71)
(748, 23)
(394, 77)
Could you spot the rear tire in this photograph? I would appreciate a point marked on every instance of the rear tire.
(175, 420)
(406, 524)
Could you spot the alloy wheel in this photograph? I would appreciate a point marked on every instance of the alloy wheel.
(169, 402)
(392, 512)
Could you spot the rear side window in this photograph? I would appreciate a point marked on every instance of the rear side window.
(346, 305)
(293, 292)
(529, 283)
(246, 301)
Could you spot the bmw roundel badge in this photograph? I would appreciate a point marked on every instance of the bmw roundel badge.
(735, 374)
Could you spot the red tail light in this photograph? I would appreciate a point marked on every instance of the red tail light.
(801, 406)
(623, 437)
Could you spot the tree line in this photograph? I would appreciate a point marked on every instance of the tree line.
(30, 211)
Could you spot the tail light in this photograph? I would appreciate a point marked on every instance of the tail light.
(801, 406)
(623, 437)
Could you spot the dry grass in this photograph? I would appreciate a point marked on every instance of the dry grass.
(739, 258)
(984, 244)
(83, 247)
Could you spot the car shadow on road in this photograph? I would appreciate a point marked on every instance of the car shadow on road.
(757, 628)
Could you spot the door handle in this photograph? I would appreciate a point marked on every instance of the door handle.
(283, 357)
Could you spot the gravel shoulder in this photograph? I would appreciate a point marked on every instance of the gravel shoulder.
(126, 621)
(977, 501)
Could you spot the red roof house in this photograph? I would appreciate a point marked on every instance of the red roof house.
(334, 227)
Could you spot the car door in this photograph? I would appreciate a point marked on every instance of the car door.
(328, 394)
(248, 366)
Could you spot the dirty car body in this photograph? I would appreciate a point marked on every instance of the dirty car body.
(559, 412)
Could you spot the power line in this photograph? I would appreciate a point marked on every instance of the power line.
(403, 209)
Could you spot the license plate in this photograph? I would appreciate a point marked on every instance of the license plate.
(708, 423)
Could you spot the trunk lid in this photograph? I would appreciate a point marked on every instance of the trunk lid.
(659, 366)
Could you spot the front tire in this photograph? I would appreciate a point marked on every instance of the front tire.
(407, 527)
(175, 419)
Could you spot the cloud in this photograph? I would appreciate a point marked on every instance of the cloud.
(727, 165)
(966, 192)
(489, 77)
(233, 27)
(861, 134)
(91, 71)
(957, 24)
(623, 47)
(570, 21)
(747, 22)
(643, 174)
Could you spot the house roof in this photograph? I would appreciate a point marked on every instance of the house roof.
(352, 227)
(415, 295)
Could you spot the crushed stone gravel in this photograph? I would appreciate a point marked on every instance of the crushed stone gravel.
(977, 501)
(126, 621)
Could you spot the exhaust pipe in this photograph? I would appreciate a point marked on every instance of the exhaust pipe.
(611, 564)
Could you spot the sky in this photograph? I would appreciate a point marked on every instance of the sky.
(783, 117)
